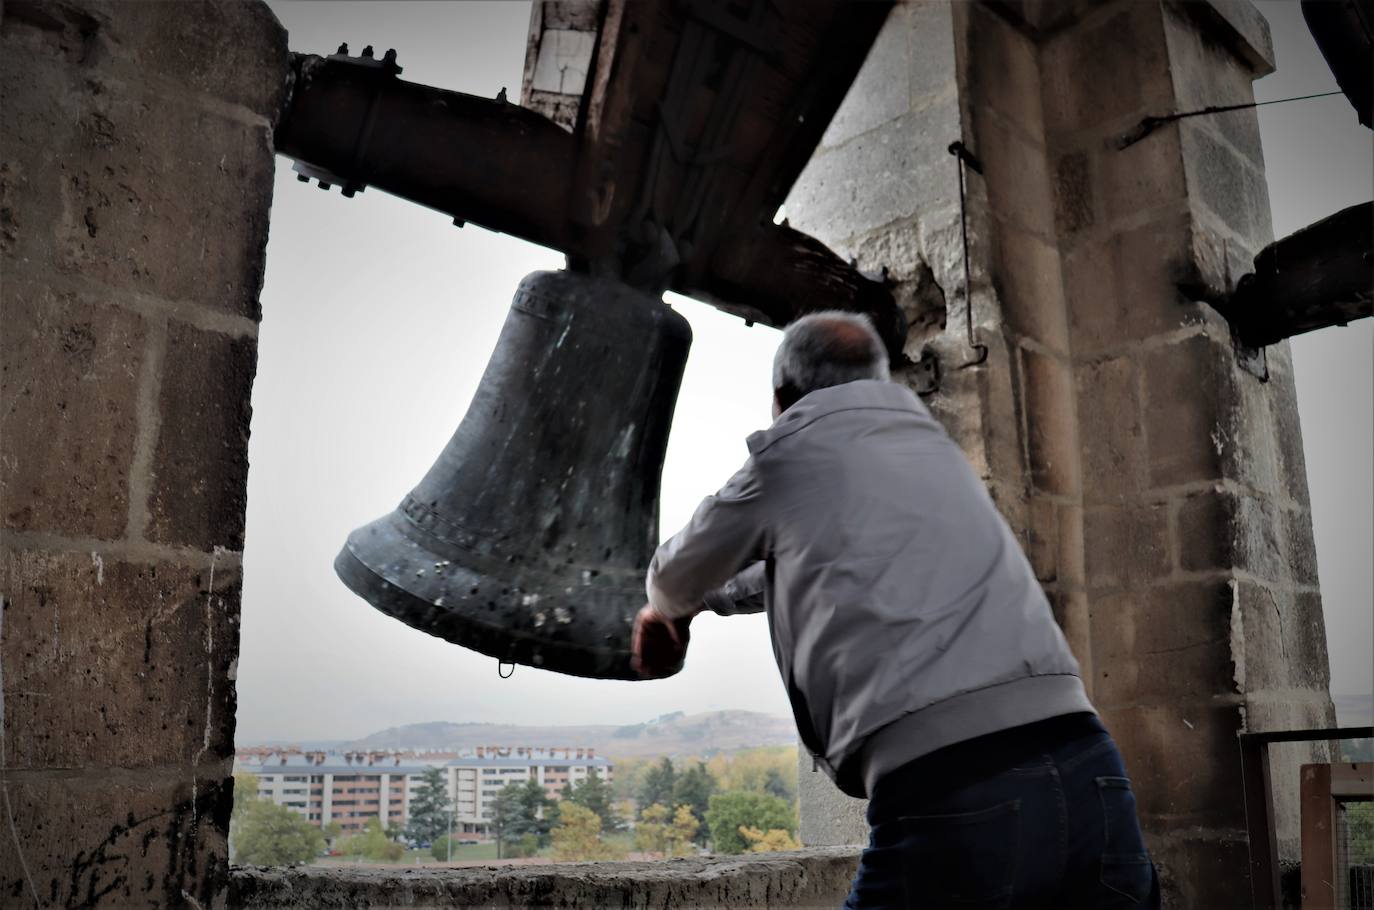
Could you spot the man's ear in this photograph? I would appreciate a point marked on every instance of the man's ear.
(785, 396)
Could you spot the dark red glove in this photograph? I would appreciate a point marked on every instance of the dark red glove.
(659, 644)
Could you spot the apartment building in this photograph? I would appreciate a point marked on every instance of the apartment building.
(351, 787)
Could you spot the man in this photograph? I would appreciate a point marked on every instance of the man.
(925, 668)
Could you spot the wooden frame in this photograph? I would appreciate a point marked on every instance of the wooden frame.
(1259, 804)
(1324, 884)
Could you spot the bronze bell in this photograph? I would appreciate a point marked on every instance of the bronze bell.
(529, 538)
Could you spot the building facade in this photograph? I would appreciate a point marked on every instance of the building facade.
(349, 788)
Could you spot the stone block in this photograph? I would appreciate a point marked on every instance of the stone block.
(99, 840)
(234, 52)
(1051, 427)
(884, 175)
(1016, 174)
(117, 664)
(1189, 401)
(1284, 637)
(1124, 288)
(1073, 614)
(69, 375)
(801, 878)
(200, 470)
(1146, 175)
(1300, 547)
(1169, 642)
(1172, 754)
(931, 36)
(828, 817)
(1126, 545)
(1222, 530)
(125, 192)
(1029, 283)
(1005, 74)
(1110, 430)
(1230, 185)
(1070, 558)
(1200, 868)
(1206, 74)
(1113, 69)
(881, 92)
(1292, 462)
(1074, 194)
(37, 120)
(1042, 538)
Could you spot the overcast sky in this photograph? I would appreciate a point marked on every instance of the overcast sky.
(379, 316)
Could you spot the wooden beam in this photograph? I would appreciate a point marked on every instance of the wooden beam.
(476, 159)
(1321, 276)
(1319, 889)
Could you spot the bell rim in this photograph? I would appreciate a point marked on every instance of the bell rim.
(392, 599)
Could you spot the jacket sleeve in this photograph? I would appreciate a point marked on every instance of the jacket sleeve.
(741, 594)
(724, 535)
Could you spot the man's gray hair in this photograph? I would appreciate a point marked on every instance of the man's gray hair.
(828, 348)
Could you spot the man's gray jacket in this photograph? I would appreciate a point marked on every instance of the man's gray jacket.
(903, 614)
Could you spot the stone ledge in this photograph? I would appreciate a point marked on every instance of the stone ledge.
(817, 877)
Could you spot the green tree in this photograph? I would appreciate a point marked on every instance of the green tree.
(658, 784)
(245, 790)
(270, 835)
(429, 807)
(776, 784)
(578, 836)
(693, 788)
(522, 818)
(733, 810)
(595, 794)
(373, 844)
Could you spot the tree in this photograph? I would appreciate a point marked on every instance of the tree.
(772, 841)
(651, 834)
(775, 784)
(521, 817)
(733, 810)
(270, 835)
(693, 788)
(245, 790)
(595, 794)
(578, 836)
(429, 807)
(665, 833)
(658, 784)
(683, 831)
(373, 844)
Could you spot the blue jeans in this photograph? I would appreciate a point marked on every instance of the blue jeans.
(1055, 830)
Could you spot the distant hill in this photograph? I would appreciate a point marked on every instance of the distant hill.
(671, 734)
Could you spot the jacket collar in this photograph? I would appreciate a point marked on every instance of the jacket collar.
(863, 394)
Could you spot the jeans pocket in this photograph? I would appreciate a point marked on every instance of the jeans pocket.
(1126, 866)
(966, 860)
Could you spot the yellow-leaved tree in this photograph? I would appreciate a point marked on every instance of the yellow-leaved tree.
(774, 840)
(578, 835)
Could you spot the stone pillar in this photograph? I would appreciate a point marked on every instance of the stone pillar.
(136, 179)
(1157, 485)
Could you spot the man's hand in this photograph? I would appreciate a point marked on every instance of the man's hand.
(659, 644)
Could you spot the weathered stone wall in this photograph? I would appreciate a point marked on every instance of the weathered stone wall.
(1157, 486)
(134, 191)
(803, 879)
